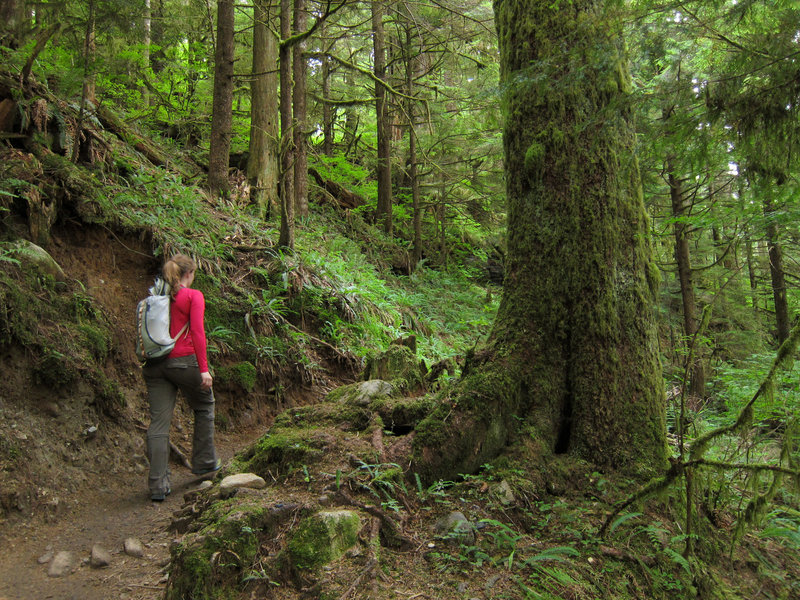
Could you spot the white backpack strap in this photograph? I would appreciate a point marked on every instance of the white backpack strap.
(183, 330)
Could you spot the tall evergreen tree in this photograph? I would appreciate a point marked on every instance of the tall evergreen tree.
(263, 171)
(221, 115)
(574, 350)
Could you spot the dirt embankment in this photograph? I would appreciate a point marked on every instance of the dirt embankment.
(71, 475)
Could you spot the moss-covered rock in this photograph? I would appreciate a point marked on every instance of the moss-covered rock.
(211, 562)
(363, 393)
(36, 257)
(399, 365)
(323, 537)
(280, 450)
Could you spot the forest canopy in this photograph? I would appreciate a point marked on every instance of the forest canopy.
(623, 174)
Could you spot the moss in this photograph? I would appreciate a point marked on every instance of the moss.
(210, 564)
(97, 340)
(323, 537)
(54, 369)
(279, 451)
(403, 412)
(345, 417)
(534, 157)
(398, 365)
(243, 374)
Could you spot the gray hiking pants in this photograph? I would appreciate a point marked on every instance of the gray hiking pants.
(164, 379)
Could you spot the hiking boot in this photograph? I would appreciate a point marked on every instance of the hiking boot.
(160, 496)
(209, 471)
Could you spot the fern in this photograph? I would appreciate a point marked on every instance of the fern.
(557, 553)
(622, 519)
(679, 560)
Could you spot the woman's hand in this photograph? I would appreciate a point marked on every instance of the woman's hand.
(205, 380)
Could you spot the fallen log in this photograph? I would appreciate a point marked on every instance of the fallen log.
(151, 152)
(344, 197)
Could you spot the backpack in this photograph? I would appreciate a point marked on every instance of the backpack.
(152, 323)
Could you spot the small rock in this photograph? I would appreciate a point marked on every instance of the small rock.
(504, 493)
(45, 558)
(90, 432)
(62, 564)
(243, 480)
(133, 547)
(491, 582)
(100, 557)
(205, 485)
(455, 528)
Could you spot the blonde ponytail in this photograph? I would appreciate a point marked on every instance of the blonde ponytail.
(174, 270)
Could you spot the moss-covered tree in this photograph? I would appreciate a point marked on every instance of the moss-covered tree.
(573, 353)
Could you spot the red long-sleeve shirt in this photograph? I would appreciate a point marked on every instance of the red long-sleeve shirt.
(189, 305)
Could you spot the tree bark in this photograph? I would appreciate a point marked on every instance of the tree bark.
(222, 103)
(574, 349)
(383, 211)
(697, 380)
(416, 252)
(327, 110)
(286, 238)
(12, 17)
(146, 41)
(299, 115)
(751, 274)
(777, 275)
(263, 166)
(350, 119)
(88, 94)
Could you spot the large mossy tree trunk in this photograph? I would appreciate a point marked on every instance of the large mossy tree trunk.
(383, 210)
(263, 167)
(573, 355)
(286, 238)
(222, 101)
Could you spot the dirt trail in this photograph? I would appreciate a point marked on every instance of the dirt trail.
(116, 509)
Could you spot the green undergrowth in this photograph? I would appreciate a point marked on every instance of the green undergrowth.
(333, 286)
(61, 326)
(525, 534)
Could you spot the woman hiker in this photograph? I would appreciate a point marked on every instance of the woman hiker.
(185, 369)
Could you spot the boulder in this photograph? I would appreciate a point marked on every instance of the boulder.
(30, 254)
(399, 364)
(323, 537)
(454, 528)
(362, 393)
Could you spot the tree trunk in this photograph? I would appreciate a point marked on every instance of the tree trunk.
(286, 238)
(383, 211)
(416, 253)
(263, 166)
(350, 119)
(83, 148)
(12, 18)
(146, 41)
(751, 274)
(222, 104)
(327, 110)
(696, 385)
(573, 351)
(299, 116)
(777, 274)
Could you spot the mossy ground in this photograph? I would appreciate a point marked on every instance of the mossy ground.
(537, 534)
